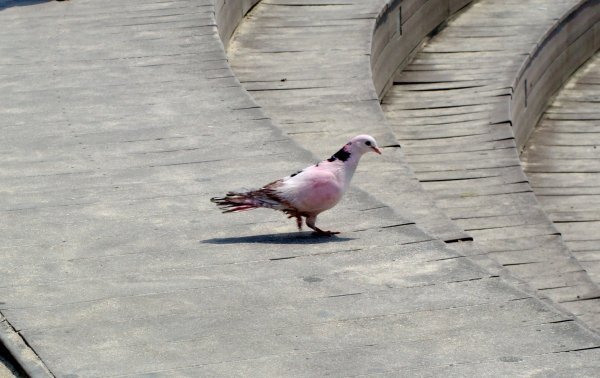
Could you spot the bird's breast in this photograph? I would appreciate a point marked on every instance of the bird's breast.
(322, 194)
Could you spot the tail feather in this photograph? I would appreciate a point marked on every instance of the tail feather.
(234, 201)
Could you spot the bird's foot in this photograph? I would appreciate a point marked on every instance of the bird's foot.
(320, 232)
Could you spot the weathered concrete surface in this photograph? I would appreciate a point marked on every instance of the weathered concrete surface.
(562, 161)
(307, 66)
(120, 120)
(440, 109)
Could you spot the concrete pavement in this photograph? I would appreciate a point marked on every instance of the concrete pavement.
(120, 120)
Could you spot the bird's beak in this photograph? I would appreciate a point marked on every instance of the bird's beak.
(376, 150)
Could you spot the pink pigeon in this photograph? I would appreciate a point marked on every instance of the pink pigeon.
(308, 192)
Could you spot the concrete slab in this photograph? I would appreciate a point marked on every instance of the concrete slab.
(561, 160)
(471, 64)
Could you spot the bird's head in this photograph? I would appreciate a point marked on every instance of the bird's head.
(363, 144)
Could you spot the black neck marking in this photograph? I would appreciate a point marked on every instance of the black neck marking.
(341, 155)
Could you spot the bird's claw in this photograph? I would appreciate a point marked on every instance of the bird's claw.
(325, 233)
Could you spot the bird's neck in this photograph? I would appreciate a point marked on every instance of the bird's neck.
(346, 162)
(347, 168)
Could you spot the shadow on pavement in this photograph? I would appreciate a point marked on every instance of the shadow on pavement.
(19, 3)
(287, 238)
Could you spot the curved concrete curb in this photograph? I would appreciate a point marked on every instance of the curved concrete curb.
(574, 38)
(26, 359)
(400, 29)
(228, 15)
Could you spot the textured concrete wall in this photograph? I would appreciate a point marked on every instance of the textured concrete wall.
(229, 14)
(563, 49)
(400, 28)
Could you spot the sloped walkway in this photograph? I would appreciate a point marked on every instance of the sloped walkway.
(119, 121)
(317, 86)
(440, 110)
(309, 67)
(562, 161)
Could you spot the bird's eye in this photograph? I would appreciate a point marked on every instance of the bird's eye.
(368, 143)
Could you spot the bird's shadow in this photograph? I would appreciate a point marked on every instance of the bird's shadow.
(286, 238)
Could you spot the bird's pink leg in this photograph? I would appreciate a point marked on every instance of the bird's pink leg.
(298, 217)
(310, 222)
